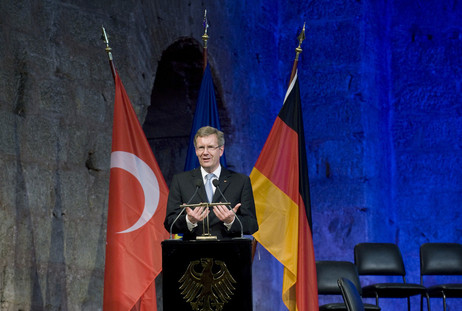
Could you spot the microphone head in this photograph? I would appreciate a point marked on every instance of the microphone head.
(215, 182)
(198, 183)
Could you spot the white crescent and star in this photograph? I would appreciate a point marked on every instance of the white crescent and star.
(147, 179)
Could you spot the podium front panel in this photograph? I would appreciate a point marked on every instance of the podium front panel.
(207, 275)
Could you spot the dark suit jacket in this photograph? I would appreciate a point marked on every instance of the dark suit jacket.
(235, 187)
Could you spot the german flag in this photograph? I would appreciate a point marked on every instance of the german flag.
(282, 199)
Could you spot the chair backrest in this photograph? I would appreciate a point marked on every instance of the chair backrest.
(328, 272)
(379, 259)
(440, 259)
(350, 295)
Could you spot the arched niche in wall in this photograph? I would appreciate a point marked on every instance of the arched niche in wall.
(173, 102)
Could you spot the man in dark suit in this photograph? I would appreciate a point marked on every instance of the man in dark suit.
(236, 188)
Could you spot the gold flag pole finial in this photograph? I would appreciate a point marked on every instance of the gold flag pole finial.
(301, 37)
(106, 40)
(205, 36)
(298, 50)
(108, 50)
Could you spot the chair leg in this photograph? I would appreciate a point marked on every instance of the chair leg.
(408, 304)
(444, 301)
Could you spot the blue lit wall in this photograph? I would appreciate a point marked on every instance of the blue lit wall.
(380, 85)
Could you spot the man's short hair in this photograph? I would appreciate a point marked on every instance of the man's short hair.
(207, 131)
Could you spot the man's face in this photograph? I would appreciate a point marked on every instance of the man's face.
(208, 152)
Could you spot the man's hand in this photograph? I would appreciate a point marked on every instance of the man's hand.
(197, 214)
(225, 214)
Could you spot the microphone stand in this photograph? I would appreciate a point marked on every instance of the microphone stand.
(198, 184)
(171, 226)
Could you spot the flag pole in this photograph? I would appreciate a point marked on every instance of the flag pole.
(298, 50)
(205, 37)
(108, 51)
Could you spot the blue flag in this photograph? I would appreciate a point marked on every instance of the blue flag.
(206, 114)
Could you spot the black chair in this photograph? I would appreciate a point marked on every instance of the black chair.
(350, 295)
(328, 273)
(385, 259)
(441, 259)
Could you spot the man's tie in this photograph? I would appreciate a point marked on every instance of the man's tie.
(208, 186)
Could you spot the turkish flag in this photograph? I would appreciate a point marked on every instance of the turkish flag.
(137, 204)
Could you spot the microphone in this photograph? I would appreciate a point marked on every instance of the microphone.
(215, 182)
(198, 184)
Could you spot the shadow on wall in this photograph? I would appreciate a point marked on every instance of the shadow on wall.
(173, 101)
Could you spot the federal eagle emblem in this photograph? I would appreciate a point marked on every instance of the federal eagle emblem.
(207, 290)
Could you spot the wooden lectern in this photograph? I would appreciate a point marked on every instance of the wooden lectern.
(207, 275)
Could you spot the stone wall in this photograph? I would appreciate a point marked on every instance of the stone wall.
(380, 85)
(426, 126)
